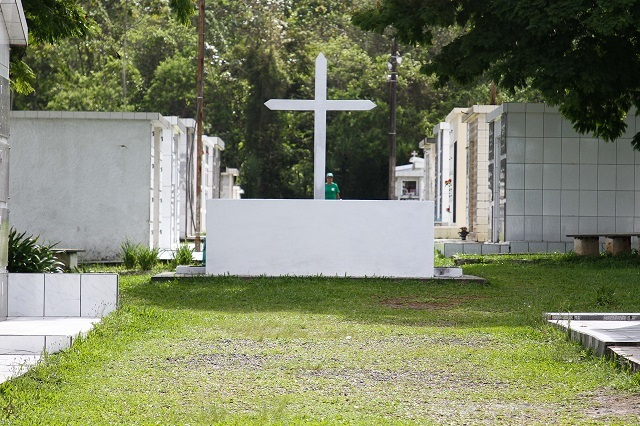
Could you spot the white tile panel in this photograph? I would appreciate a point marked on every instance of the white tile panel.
(533, 202)
(606, 224)
(607, 204)
(625, 180)
(551, 228)
(552, 150)
(535, 124)
(552, 125)
(516, 150)
(570, 150)
(624, 151)
(588, 224)
(551, 176)
(624, 224)
(568, 226)
(25, 295)
(99, 294)
(62, 295)
(607, 152)
(516, 124)
(570, 176)
(532, 176)
(533, 228)
(55, 344)
(514, 228)
(551, 203)
(606, 178)
(21, 345)
(589, 177)
(588, 150)
(534, 107)
(625, 203)
(570, 203)
(515, 176)
(515, 202)
(589, 203)
(534, 150)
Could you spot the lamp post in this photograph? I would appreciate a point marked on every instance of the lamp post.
(392, 65)
(199, 107)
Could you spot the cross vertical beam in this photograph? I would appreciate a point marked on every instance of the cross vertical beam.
(320, 105)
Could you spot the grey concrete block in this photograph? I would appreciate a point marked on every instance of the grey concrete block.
(453, 248)
(519, 247)
(472, 248)
(538, 247)
(490, 249)
(557, 247)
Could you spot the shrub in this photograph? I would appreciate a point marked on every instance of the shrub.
(148, 257)
(27, 256)
(182, 256)
(129, 252)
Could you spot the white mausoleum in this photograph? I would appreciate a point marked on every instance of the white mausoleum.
(530, 179)
(91, 180)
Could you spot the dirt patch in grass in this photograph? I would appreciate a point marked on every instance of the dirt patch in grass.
(608, 403)
(220, 361)
(433, 304)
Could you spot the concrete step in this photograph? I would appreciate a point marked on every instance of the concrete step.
(23, 340)
(616, 335)
(15, 365)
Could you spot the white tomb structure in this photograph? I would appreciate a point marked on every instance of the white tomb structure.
(13, 31)
(411, 180)
(320, 237)
(91, 180)
(532, 179)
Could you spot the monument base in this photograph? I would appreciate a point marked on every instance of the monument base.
(354, 238)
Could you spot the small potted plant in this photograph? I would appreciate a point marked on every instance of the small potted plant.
(463, 233)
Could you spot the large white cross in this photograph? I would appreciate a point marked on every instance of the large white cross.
(320, 105)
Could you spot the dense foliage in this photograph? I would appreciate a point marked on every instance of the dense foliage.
(137, 57)
(26, 255)
(582, 55)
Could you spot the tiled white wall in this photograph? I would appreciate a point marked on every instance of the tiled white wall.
(62, 295)
(560, 182)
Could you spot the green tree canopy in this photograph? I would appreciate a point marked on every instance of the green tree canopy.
(582, 55)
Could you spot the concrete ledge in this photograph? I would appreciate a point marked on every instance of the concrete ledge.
(451, 248)
(61, 295)
(616, 335)
(171, 276)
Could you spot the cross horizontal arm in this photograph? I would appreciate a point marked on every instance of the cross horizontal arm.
(311, 105)
(291, 104)
(349, 105)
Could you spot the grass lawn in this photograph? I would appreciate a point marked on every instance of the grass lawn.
(343, 351)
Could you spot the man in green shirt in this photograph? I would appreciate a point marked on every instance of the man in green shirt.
(331, 190)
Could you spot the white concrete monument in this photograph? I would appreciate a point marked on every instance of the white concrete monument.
(359, 238)
(320, 105)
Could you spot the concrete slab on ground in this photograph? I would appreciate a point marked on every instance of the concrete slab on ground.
(24, 339)
(439, 274)
(616, 335)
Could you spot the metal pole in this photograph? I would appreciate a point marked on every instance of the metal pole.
(199, 108)
(392, 133)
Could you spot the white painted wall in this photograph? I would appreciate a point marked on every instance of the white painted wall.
(354, 238)
(83, 182)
